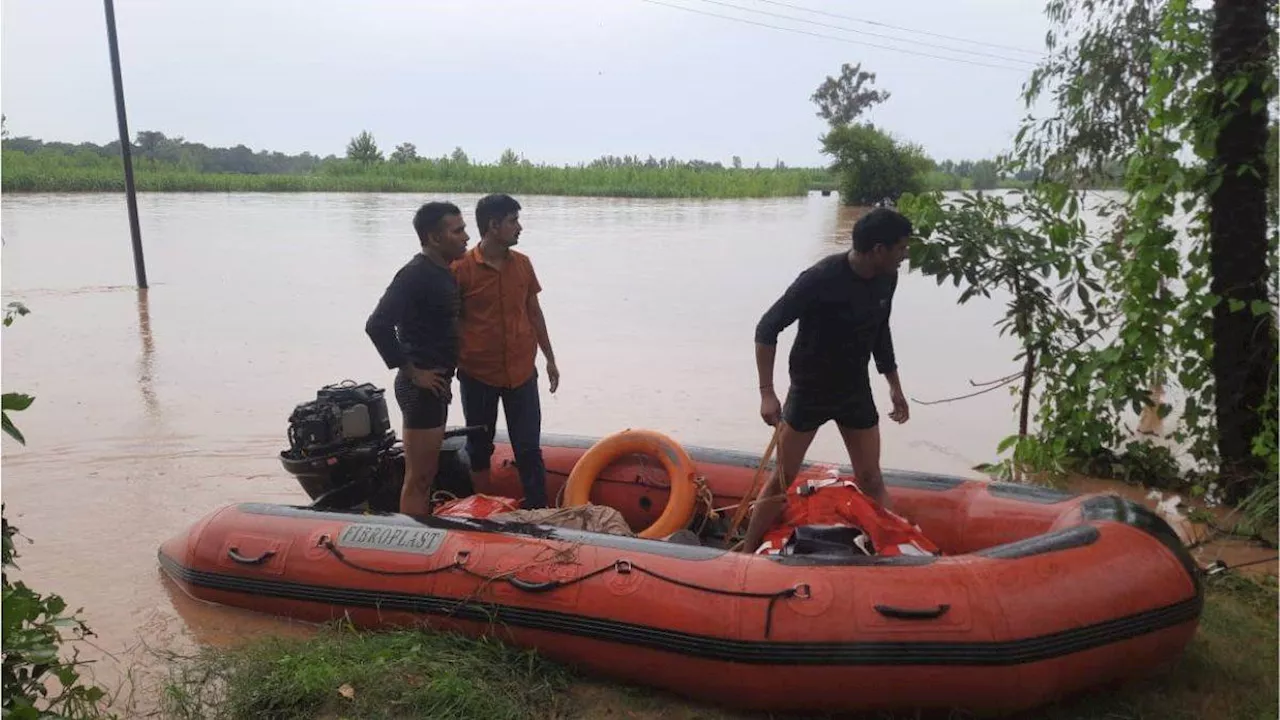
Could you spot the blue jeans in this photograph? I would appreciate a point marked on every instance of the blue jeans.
(523, 409)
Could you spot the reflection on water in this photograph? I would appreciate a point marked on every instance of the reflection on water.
(153, 408)
(146, 361)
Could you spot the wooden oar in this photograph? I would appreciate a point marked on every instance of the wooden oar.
(749, 498)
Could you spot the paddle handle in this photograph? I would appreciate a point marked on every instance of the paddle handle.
(741, 512)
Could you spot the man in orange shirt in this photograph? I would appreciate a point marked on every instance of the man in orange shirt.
(501, 329)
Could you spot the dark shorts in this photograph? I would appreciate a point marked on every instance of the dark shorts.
(807, 411)
(421, 409)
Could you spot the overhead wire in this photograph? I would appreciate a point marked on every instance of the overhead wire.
(834, 37)
(766, 13)
(802, 8)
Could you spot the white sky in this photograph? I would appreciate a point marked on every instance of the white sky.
(557, 80)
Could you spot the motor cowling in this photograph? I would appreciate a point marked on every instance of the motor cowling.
(345, 455)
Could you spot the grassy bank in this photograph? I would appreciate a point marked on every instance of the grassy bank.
(88, 172)
(1228, 673)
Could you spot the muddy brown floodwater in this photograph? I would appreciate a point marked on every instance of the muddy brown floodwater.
(153, 409)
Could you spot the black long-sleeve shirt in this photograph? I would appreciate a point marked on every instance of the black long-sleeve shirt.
(844, 321)
(417, 318)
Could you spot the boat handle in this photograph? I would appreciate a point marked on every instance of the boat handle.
(533, 587)
(909, 614)
(234, 554)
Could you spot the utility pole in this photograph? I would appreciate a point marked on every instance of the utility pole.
(139, 265)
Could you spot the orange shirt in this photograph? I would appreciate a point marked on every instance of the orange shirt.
(497, 344)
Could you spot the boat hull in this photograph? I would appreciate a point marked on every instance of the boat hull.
(1042, 594)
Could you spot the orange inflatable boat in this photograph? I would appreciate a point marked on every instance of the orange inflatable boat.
(1036, 594)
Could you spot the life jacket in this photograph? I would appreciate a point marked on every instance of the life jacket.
(832, 501)
(477, 506)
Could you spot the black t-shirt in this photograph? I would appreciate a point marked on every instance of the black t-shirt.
(844, 321)
(417, 317)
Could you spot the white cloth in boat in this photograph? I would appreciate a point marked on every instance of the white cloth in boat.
(592, 518)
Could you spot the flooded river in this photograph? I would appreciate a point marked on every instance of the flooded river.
(152, 409)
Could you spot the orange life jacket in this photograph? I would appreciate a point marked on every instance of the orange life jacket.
(814, 499)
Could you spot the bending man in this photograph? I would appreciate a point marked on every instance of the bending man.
(843, 303)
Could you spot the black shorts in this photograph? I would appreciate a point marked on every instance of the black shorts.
(421, 408)
(808, 411)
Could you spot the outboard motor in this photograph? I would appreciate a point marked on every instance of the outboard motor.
(345, 455)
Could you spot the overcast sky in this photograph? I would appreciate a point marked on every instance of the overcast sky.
(557, 80)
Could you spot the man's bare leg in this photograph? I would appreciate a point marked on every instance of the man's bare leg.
(864, 456)
(421, 460)
(792, 446)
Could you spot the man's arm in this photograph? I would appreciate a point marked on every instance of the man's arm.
(886, 362)
(887, 365)
(784, 311)
(381, 325)
(539, 323)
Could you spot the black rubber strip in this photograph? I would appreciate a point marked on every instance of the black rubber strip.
(1065, 539)
(1029, 493)
(1117, 509)
(756, 652)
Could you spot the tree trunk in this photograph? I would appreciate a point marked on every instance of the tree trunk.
(1244, 350)
(1028, 380)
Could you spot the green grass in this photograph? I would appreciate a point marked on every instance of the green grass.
(49, 171)
(1228, 673)
(390, 675)
(53, 172)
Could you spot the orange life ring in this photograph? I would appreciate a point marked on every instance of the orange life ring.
(680, 469)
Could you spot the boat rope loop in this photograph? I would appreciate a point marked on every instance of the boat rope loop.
(327, 544)
(621, 567)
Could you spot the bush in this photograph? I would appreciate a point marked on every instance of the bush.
(872, 165)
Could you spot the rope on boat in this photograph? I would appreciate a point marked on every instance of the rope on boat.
(622, 567)
(1221, 567)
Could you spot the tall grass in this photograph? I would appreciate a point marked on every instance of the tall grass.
(52, 172)
(344, 673)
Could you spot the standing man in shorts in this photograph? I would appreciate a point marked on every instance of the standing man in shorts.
(415, 330)
(502, 330)
(843, 303)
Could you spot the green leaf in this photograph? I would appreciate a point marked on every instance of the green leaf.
(16, 401)
(1235, 305)
(1260, 307)
(10, 429)
(1007, 443)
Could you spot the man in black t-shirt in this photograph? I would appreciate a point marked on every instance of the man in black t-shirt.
(415, 330)
(843, 303)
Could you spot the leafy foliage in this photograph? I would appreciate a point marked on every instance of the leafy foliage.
(1031, 247)
(13, 402)
(842, 100)
(404, 153)
(1132, 88)
(872, 165)
(37, 682)
(363, 149)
